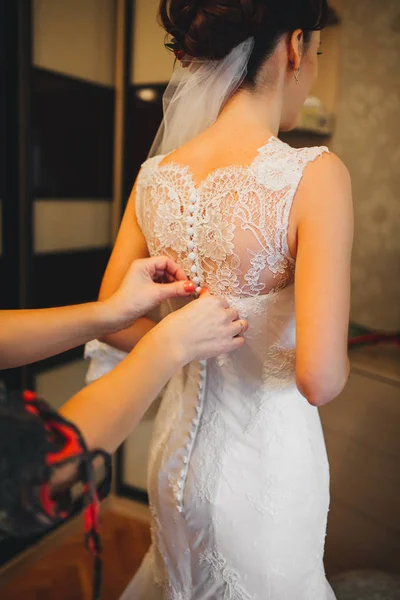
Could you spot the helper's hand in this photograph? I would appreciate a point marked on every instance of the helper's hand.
(204, 328)
(148, 282)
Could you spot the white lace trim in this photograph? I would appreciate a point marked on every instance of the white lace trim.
(223, 574)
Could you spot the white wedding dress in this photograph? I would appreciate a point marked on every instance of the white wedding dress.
(238, 472)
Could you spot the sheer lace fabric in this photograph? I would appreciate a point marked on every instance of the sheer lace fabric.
(241, 216)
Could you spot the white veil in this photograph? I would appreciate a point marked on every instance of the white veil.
(192, 102)
(196, 94)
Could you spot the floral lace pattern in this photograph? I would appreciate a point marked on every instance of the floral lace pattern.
(210, 466)
(241, 216)
(227, 578)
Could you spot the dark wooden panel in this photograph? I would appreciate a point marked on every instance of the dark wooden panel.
(2, 100)
(68, 277)
(124, 489)
(73, 134)
(298, 138)
(132, 493)
(3, 300)
(142, 121)
(15, 88)
(11, 377)
(10, 175)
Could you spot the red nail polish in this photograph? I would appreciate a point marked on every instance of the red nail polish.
(189, 287)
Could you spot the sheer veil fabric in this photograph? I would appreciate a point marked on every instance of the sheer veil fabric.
(196, 95)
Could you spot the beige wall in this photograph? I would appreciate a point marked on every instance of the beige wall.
(362, 437)
(326, 88)
(367, 139)
(77, 224)
(151, 62)
(59, 384)
(75, 37)
(362, 426)
(136, 455)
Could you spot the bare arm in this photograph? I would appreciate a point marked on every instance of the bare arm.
(107, 410)
(130, 245)
(324, 214)
(30, 335)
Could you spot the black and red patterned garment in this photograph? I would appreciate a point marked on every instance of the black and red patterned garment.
(36, 444)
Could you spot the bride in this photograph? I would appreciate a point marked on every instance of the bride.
(238, 472)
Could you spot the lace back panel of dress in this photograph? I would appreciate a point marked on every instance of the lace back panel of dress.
(240, 218)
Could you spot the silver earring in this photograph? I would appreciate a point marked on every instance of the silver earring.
(296, 75)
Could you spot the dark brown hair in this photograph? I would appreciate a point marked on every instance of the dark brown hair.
(212, 28)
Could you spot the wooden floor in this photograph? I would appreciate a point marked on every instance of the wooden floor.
(64, 572)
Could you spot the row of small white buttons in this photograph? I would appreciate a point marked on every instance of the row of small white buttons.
(203, 364)
(192, 435)
(191, 245)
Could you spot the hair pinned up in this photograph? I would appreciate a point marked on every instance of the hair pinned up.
(210, 29)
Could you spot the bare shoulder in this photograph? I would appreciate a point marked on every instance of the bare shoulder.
(327, 170)
(325, 187)
(329, 165)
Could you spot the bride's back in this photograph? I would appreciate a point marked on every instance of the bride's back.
(236, 218)
(224, 217)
